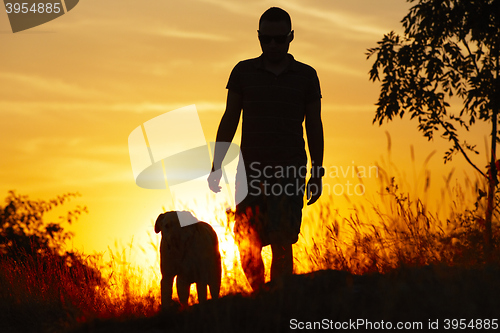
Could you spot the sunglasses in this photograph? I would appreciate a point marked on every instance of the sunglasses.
(280, 39)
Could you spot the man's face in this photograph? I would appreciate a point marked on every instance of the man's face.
(274, 49)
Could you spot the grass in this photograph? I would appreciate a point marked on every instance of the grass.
(391, 260)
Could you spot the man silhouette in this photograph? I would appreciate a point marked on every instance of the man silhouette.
(276, 94)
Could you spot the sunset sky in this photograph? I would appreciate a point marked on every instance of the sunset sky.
(73, 89)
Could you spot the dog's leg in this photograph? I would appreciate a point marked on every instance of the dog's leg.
(183, 290)
(215, 280)
(201, 288)
(215, 289)
(167, 282)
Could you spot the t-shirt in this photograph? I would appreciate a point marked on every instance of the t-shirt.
(273, 110)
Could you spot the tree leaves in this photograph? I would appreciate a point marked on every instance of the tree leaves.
(23, 228)
(450, 48)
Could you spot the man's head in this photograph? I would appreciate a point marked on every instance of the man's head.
(275, 33)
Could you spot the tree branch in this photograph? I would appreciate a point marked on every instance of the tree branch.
(470, 54)
(457, 144)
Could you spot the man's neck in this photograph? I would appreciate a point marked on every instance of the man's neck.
(277, 67)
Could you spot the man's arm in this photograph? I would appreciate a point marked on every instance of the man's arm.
(227, 128)
(225, 135)
(315, 140)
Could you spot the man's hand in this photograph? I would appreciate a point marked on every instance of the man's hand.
(214, 180)
(314, 189)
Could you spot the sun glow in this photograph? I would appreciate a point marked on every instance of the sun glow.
(337, 232)
(375, 236)
(147, 264)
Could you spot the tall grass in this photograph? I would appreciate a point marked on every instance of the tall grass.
(39, 293)
(45, 294)
(398, 230)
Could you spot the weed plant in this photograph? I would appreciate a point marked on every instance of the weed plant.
(54, 292)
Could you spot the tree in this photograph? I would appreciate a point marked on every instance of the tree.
(40, 278)
(23, 230)
(27, 238)
(450, 50)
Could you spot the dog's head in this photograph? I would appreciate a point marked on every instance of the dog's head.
(169, 222)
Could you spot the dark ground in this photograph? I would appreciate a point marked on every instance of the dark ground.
(416, 295)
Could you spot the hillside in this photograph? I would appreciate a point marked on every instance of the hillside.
(433, 296)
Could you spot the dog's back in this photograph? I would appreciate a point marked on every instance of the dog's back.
(201, 260)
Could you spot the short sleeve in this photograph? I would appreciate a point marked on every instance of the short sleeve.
(234, 82)
(314, 89)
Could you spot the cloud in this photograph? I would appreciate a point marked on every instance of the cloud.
(340, 69)
(347, 21)
(176, 33)
(49, 85)
(19, 107)
(42, 144)
(242, 7)
(349, 108)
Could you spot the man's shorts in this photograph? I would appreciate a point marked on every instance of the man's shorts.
(271, 213)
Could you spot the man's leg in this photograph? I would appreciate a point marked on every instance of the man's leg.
(250, 248)
(286, 214)
(282, 263)
(253, 266)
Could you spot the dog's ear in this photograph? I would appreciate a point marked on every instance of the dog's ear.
(159, 222)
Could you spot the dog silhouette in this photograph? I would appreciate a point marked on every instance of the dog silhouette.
(191, 253)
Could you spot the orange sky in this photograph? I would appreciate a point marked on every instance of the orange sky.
(72, 90)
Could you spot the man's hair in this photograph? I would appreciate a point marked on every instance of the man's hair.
(275, 14)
